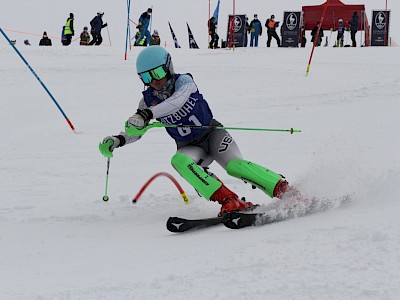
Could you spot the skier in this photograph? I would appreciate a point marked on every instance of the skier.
(271, 25)
(255, 31)
(175, 99)
(340, 34)
(69, 30)
(96, 27)
(143, 25)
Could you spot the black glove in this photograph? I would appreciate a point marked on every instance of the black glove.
(146, 114)
(105, 25)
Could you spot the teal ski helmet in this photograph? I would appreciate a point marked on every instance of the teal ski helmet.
(153, 57)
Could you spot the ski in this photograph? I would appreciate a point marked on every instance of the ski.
(237, 220)
(176, 224)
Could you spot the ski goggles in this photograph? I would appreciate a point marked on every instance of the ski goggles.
(156, 73)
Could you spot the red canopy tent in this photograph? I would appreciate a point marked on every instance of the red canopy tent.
(335, 10)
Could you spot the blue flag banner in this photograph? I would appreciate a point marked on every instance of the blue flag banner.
(216, 11)
(192, 41)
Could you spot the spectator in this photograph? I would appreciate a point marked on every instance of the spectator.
(340, 34)
(143, 24)
(318, 41)
(69, 30)
(303, 39)
(212, 27)
(142, 42)
(246, 32)
(96, 26)
(155, 38)
(45, 41)
(85, 37)
(271, 25)
(353, 28)
(255, 31)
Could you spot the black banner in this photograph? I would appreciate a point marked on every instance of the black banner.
(174, 37)
(380, 27)
(192, 41)
(236, 30)
(290, 29)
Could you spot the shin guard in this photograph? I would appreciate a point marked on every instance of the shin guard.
(254, 174)
(205, 184)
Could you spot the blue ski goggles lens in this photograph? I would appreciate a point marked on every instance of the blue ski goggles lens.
(156, 73)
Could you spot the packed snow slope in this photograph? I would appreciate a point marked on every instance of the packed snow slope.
(59, 240)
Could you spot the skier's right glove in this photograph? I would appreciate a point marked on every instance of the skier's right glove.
(110, 143)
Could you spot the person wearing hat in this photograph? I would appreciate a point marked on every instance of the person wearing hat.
(155, 38)
(85, 37)
(271, 25)
(45, 41)
(255, 31)
(69, 30)
(340, 34)
(143, 25)
(96, 26)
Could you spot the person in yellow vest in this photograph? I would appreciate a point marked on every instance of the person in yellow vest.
(69, 30)
(271, 25)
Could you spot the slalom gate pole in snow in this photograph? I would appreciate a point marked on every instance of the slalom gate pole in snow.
(181, 191)
(105, 197)
(108, 35)
(40, 81)
(133, 131)
(316, 38)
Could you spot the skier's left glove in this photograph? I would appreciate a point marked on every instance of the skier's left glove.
(140, 119)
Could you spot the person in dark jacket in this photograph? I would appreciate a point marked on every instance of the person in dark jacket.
(85, 37)
(212, 27)
(143, 25)
(255, 31)
(320, 36)
(96, 27)
(353, 28)
(155, 38)
(45, 41)
(303, 39)
(69, 30)
(271, 25)
(246, 32)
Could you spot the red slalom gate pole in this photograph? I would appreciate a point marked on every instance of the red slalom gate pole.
(178, 186)
(316, 38)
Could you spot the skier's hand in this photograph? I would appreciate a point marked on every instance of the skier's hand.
(141, 118)
(110, 143)
(105, 25)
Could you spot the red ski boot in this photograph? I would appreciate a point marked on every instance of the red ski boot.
(229, 201)
(280, 188)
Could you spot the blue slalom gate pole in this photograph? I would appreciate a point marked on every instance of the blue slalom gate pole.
(128, 30)
(37, 77)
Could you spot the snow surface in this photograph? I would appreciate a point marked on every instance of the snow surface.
(59, 240)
